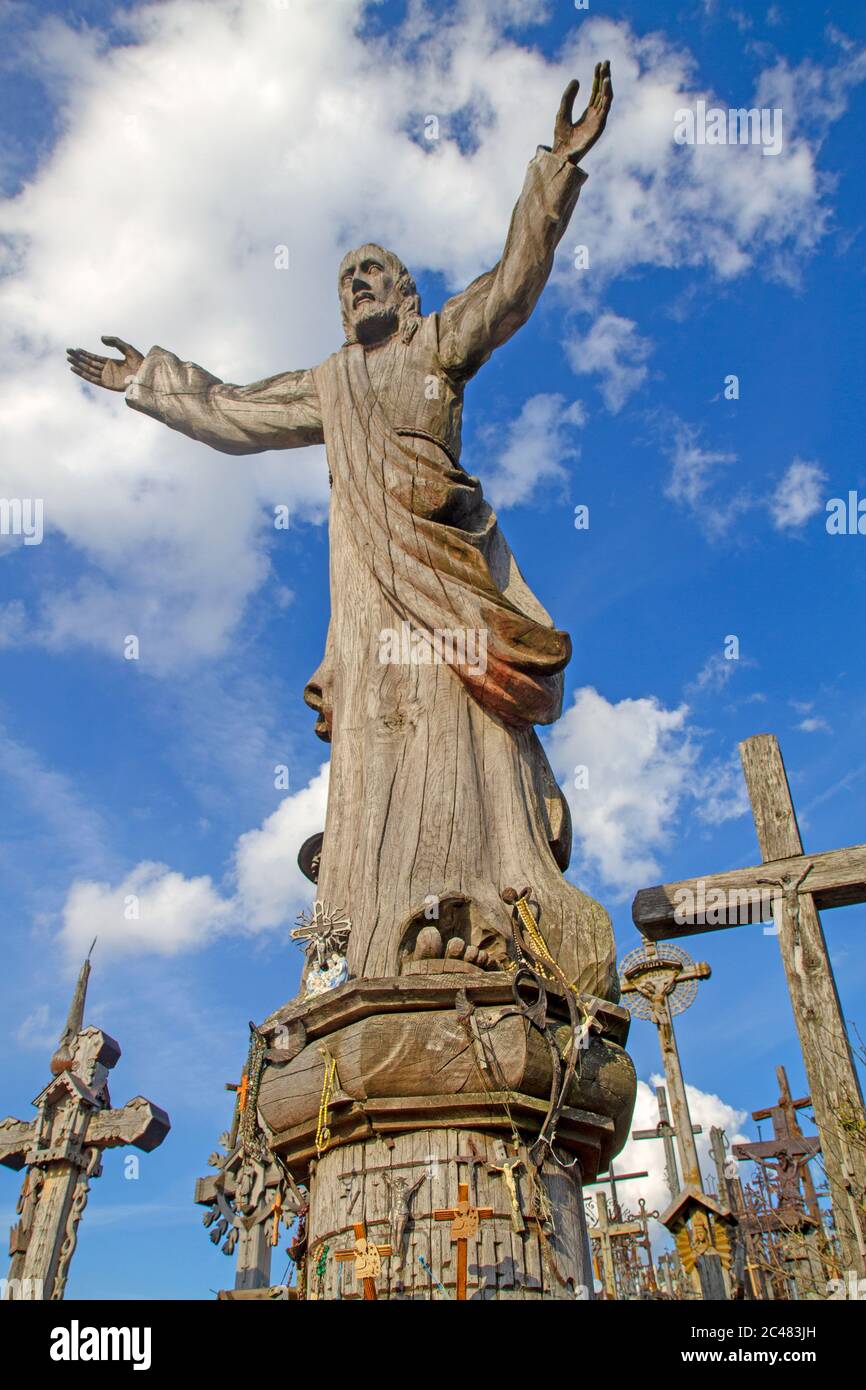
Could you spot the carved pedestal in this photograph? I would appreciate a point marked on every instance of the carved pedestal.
(356, 1182)
(407, 1103)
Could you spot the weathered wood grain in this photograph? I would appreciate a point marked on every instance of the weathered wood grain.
(836, 878)
(349, 1186)
(833, 1081)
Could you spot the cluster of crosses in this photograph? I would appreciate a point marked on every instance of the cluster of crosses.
(769, 1239)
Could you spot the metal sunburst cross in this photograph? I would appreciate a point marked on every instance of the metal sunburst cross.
(322, 932)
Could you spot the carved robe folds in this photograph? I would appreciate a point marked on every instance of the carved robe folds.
(439, 784)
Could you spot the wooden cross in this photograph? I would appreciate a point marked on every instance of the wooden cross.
(465, 1219)
(367, 1257)
(789, 1152)
(785, 1124)
(62, 1150)
(801, 886)
(655, 983)
(606, 1232)
(665, 1131)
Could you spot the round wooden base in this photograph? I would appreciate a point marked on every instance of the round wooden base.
(401, 1195)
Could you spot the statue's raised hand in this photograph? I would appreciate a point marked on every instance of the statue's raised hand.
(106, 371)
(573, 140)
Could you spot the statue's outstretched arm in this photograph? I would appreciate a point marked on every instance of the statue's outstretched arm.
(281, 412)
(486, 314)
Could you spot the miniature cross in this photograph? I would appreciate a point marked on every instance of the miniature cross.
(464, 1220)
(367, 1257)
(606, 1232)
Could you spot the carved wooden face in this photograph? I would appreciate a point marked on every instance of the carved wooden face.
(368, 295)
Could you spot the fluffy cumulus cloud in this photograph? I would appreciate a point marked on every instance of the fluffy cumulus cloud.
(156, 910)
(269, 882)
(613, 350)
(221, 132)
(537, 445)
(627, 769)
(638, 757)
(799, 496)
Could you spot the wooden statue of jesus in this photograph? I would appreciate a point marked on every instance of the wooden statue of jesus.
(439, 658)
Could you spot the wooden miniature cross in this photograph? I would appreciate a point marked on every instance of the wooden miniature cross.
(367, 1257)
(785, 1125)
(606, 1232)
(803, 885)
(465, 1220)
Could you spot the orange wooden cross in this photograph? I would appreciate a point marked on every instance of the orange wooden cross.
(367, 1257)
(464, 1220)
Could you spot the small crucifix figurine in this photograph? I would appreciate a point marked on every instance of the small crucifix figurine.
(402, 1191)
(508, 1169)
(367, 1257)
(464, 1220)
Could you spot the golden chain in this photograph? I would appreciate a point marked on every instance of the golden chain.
(543, 950)
(323, 1133)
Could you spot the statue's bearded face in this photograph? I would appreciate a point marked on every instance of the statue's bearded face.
(369, 298)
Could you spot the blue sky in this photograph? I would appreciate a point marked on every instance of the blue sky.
(150, 166)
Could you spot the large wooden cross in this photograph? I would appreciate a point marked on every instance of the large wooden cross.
(62, 1150)
(465, 1220)
(790, 887)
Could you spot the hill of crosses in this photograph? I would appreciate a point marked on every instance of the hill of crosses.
(423, 1119)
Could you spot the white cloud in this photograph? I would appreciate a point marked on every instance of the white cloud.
(798, 495)
(536, 445)
(157, 910)
(693, 473)
(154, 909)
(814, 724)
(715, 673)
(39, 1031)
(644, 763)
(647, 1155)
(640, 757)
(614, 350)
(720, 792)
(269, 883)
(223, 130)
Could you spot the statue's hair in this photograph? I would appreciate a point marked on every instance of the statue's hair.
(409, 309)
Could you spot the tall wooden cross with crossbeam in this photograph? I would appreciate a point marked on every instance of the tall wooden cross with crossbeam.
(801, 884)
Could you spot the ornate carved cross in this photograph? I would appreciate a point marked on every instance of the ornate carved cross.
(367, 1257)
(62, 1150)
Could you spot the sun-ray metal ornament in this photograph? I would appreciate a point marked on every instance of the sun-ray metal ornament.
(323, 933)
(655, 969)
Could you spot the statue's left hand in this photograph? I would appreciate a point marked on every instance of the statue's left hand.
(573, 141)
